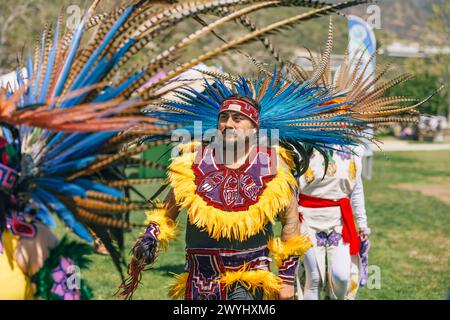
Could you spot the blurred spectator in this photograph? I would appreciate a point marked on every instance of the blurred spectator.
(406, 132)
(431, 128)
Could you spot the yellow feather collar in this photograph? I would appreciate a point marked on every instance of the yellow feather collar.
(238, 225)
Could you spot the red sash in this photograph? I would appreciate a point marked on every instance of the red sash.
(349, 233)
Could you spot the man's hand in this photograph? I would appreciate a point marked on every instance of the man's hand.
(146, 249)
(287, 292)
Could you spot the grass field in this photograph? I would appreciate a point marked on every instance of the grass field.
(410, 238)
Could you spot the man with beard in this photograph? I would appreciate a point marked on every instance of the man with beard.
(234, 189)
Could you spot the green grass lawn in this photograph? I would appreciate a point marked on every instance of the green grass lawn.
(410, 238)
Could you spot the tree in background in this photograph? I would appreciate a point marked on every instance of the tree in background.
(422, 85)
(15, 15)
(22, 21)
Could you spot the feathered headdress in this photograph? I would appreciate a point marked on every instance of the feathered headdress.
(307, 108)
(300, 112)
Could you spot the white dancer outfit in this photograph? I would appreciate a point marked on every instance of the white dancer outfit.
(326, 206)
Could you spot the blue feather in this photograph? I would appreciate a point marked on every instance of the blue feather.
(99, 50)
(90, 185)
(60, 209)
(43, 213)
(38, 76)
(70, 166)
(112, 93)
(30, 74)
(78, 33)
(60, 186)
(63, 144)
(51, 60)
(89, 145)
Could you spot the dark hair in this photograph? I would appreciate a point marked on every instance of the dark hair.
(300, 156)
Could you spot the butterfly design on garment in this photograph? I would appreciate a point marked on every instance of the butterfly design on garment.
(332, 239)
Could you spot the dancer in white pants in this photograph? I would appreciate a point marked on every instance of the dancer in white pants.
(327, 207)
